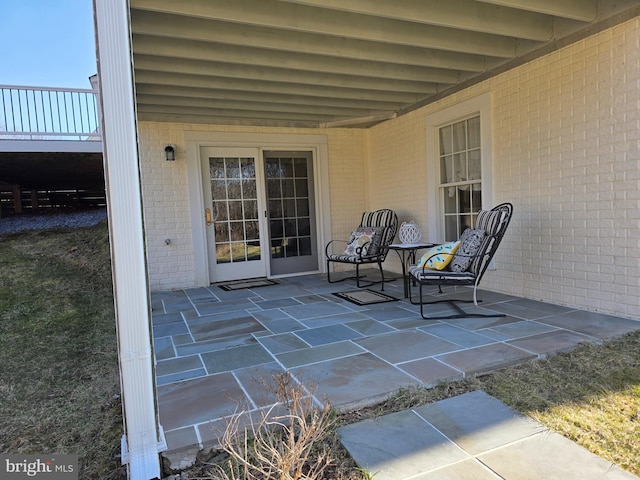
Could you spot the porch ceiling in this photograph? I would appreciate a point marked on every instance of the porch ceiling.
(330, 63)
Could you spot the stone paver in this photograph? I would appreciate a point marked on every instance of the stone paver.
(471, 437)
(215, 350)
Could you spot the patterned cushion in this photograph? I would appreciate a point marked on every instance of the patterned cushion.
(470, 242)
(438, 257)
(342, 258)
(364, 241)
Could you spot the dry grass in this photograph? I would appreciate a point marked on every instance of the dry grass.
(590, 395)
(59, 384)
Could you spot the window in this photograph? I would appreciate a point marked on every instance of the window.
(460, 175)
(459, 181)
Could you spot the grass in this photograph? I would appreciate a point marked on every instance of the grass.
(59, 388)
(590, 395)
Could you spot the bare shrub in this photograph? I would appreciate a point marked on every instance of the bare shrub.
(287, 442)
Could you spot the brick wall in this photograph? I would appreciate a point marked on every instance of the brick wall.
(566, 138)
(566, 131)
(166, 194)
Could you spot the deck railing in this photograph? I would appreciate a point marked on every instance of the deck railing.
(42, 113)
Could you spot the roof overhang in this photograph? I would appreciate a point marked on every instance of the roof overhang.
(337, 63)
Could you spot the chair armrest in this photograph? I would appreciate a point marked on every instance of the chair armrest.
(332, 243)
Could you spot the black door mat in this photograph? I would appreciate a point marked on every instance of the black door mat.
(365, 297)
(254, 283)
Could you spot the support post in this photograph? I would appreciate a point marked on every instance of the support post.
(143, 435)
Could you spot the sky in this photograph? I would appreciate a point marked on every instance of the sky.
(47, 43)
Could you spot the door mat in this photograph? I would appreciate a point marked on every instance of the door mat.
(365, 297)
(258, 282)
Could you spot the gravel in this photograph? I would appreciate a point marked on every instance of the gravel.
(29, 221)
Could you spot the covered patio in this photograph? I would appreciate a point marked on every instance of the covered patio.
(215, 349)
(368, 94)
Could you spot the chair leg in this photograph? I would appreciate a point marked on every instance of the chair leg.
(460, 313)
(329, 275)
(381, 275)
(356, 277)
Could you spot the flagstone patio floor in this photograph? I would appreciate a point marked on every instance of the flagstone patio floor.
(215, 348)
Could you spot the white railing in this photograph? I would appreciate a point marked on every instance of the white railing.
(42, 113)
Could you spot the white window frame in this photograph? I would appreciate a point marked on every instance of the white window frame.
(480, 105)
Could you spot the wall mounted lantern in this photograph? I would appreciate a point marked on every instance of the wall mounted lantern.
(169, 153)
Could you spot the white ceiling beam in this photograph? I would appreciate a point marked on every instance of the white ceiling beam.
(200, 29)
(282, 75)
(222, 112)
(359, 122)
(280, 106)
(460, 14)
(237, 84)
(278, 15)
(251, 96)
(315, 64)
(274, 76)
(582, 10)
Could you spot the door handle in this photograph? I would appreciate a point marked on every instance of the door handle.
(207, 216)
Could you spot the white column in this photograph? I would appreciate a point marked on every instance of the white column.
(124, 198)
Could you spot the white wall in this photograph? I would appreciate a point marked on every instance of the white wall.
(166, 193)
(566, 137)
(566, 133)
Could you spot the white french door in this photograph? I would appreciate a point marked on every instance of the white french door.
(233, 207)
(259, 211)
(291, 212)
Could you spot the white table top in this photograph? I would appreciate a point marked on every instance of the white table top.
(410, 246)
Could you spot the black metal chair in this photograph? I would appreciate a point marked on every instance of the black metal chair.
(369, 244)
(470, 262)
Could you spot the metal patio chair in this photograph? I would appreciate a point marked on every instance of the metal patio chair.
(369, 244)
(477, 247)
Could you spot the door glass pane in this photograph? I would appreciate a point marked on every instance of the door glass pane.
(249, 189)
(302, 207)
(235, 207)
(275, 208)
(288, 189)
(305, 246)
(288, 200)
(273, 188)
(304, 226)
(300, 167)
(289, 208)
(220, 211)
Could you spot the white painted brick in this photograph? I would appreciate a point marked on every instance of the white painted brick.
(566, 137)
